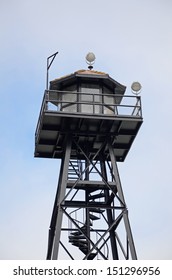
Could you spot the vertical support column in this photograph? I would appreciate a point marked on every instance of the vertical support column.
(54, 216)
(87, 222)
(109, 214)
(60, 195)
(121, 196)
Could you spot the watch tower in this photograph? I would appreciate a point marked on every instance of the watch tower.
(88, 123)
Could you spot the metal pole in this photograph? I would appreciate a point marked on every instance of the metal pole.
(49, 65)
(109, 214)
(54, 216)
(61, 192)
(121, 196)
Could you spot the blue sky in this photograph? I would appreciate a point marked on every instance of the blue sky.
(132, 41)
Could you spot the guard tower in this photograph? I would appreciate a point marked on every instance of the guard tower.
(89, 124)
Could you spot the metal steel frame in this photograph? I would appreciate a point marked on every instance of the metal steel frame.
(103, 196)
(90, 216)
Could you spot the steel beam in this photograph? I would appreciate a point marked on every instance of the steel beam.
(121, 196)
(59, 197)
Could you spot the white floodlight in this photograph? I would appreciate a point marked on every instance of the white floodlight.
(90, 59)
(136, 87)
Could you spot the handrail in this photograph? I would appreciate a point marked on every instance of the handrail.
(117, 104)
(99, 104)
(91, 93)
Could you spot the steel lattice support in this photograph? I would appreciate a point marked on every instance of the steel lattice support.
(90, 216)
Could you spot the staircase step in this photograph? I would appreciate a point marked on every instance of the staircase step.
(92, 256)
(76, 233)
(96, 210)
(93, 217)
(76, 237)
(81, 244)
(83, 228)
(85, 251)
(77, 245)
(99, 195)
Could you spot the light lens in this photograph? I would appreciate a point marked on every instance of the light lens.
(90, 57)
(136, 87)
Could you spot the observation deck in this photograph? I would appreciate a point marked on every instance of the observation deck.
(90, 114)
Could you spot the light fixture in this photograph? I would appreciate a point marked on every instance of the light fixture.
(136, 87)
(90, 59)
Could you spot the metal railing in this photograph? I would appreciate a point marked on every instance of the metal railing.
(98, 103)
(90, 103)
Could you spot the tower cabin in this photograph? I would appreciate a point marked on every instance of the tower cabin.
(91, 106)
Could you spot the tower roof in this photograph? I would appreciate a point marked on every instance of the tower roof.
(92, 76)
(90, 72)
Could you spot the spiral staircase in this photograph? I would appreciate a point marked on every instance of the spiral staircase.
(80, 237)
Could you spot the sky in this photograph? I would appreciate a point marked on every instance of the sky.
(132, 41)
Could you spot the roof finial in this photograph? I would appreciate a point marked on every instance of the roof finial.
(90, 59)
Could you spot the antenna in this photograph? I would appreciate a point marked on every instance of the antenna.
(49, 65)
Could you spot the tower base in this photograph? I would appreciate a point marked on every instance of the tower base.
(90, 216)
